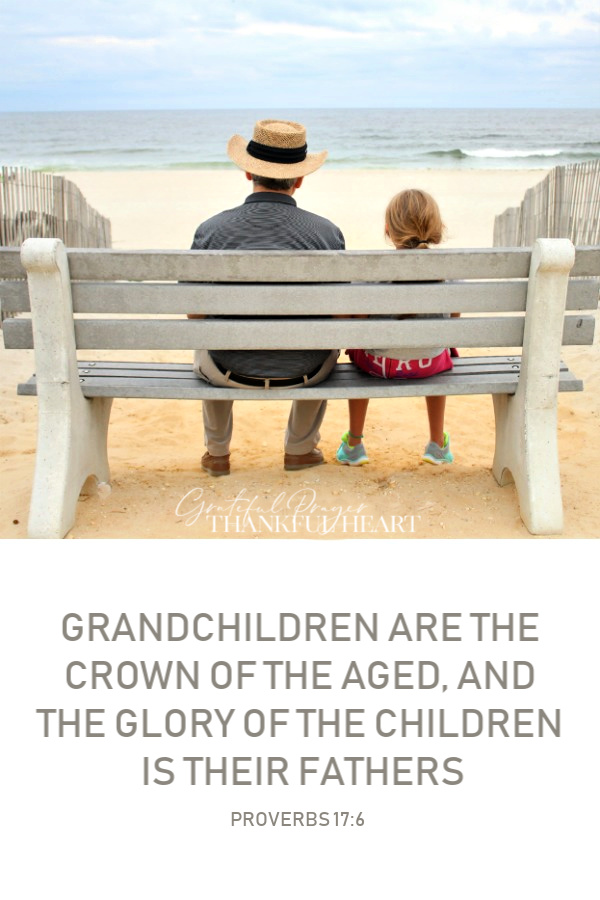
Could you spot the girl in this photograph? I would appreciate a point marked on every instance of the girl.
(412, 221)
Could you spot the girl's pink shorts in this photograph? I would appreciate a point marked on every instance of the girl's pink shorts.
(383, 367)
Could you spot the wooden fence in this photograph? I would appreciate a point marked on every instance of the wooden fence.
(38, 204)
(565, 204)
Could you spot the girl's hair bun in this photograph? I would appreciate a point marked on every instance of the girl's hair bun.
(413, 220)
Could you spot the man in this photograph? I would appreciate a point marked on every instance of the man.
(276, 161)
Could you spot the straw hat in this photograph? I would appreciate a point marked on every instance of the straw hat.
(277, 150)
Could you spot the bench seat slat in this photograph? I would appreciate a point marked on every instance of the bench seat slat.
(167, 382)
(462, 366)
(142, 365)
(88, 374)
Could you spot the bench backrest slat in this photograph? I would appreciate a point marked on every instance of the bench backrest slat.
(10, 263)
(298, 266)
(139, 298)
(96, 265)
(587, 262)
(185, 334)
(304, 287)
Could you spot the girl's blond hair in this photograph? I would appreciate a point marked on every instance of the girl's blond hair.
(413, 220)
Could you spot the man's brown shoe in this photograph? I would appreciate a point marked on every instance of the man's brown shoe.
(305, 461)
(215, 465)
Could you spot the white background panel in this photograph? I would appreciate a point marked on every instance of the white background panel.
(79, 822)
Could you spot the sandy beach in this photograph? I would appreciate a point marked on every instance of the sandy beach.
(155, 446)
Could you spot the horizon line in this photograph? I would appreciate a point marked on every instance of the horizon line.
(304, 108)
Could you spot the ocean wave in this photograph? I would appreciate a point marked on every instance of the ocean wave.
(70, 152)
(455, 154)
(137, 166)
(495, 153)
(206, 164)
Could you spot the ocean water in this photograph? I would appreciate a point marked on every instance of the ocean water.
(359, 138)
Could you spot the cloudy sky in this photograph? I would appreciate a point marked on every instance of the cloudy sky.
(140, 54)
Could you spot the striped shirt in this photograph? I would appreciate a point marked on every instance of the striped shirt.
(268, 221)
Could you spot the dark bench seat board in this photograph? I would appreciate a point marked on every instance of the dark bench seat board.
(176, 381)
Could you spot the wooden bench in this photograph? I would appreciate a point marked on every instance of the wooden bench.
(86, 300)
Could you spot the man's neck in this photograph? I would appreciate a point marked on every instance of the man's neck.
(259, 189)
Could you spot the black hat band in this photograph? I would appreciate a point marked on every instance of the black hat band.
(283, 155)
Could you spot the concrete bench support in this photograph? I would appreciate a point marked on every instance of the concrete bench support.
(526, 421)
(72, 430)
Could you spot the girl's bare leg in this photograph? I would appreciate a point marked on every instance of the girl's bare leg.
(436, 407)
(357, 410)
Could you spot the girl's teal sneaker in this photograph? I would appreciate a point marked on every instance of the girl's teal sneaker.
(351, 456)
(438, 455)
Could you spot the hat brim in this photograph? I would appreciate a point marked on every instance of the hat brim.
(237, 152)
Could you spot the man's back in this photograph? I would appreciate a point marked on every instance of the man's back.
(268, 220)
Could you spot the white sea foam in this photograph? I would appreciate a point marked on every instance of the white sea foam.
(496, 153)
